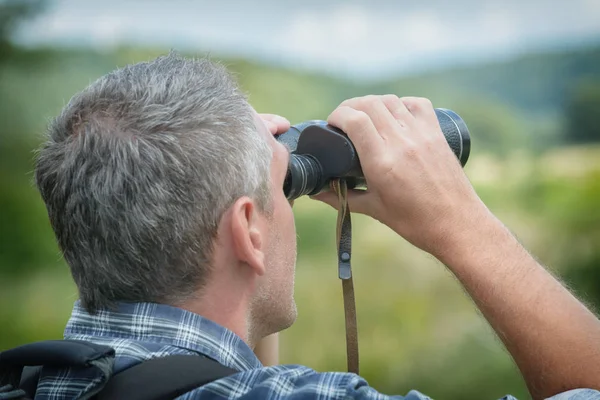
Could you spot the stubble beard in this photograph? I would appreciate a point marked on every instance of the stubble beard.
(274, 308)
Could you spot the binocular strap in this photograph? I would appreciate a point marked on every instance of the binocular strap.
(344, 240)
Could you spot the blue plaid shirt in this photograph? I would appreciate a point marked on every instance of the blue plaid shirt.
(142, 331)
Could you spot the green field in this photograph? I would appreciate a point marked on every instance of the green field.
(417, 328)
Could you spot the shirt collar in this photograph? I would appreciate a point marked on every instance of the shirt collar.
(165, 325)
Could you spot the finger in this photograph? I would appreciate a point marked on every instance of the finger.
(385, 123)
(328, 198)
(397, 108)
(420, 107)
(423, 111)
(271, 127)
(358, 200)
(361, 131)
(281, 123)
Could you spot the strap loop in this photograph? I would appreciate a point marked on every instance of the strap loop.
(344, 241)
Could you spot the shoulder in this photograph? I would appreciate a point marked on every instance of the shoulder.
(293, 382)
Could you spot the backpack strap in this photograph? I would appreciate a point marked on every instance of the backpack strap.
(30, 378)
(163, 378)
(18, 366)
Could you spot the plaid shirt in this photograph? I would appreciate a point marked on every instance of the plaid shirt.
(142, 331)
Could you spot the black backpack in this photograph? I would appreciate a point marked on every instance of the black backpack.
(156, 379)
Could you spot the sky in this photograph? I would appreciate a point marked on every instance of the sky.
(365, 40)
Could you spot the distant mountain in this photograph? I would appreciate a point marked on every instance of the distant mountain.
(507, 105)
(534, 85)
(537, 83)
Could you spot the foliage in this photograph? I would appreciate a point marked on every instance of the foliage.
(12, 12)
(581, 113)
(417, 327)
(536, 83)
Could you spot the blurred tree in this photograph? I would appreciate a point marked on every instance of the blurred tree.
(414, 339)
(581, 113)
(495, 127)
(13, 12)
(25, 243)
(535, 83)
(580, 220)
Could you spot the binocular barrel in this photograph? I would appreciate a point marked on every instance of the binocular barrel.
(321, 152)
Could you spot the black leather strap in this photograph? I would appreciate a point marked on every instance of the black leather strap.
(163, 378)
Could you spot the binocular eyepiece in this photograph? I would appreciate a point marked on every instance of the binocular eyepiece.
(321, 152)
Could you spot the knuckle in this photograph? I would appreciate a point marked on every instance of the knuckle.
(425, 102)
(410, 149)
(410, 103)
(358, 120)
(417, 103)
(349, 102)
(385, 163)
(335, 114)
(367, 101)
(430, 140)
(390, 100)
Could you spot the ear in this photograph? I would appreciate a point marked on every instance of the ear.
(247, 235)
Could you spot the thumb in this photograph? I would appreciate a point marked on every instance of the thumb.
(358, 200)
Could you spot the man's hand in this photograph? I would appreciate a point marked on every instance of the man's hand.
(416, 185)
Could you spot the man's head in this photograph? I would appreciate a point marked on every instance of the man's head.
(160, 179)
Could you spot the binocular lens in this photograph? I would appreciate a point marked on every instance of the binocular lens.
(303, 176)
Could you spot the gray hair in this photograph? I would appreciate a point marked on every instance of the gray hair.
(137, 171)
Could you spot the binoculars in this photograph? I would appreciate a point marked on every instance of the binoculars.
(321, 152)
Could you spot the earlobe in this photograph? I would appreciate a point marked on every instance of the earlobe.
(246, 234)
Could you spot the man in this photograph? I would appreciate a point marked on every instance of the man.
(165, 191)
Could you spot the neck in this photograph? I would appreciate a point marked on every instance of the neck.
(227, 305)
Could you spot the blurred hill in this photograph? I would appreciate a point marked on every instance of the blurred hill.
(418, 329)
(534, 83)
(535, 88)
(416, 324)
(523, 99)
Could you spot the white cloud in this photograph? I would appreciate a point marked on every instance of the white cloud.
(498, 26)
(424, 32)
(351, 37)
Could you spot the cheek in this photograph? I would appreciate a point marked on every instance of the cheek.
(283, 219)
(286, 225)
(288, 214)
(291, 232)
